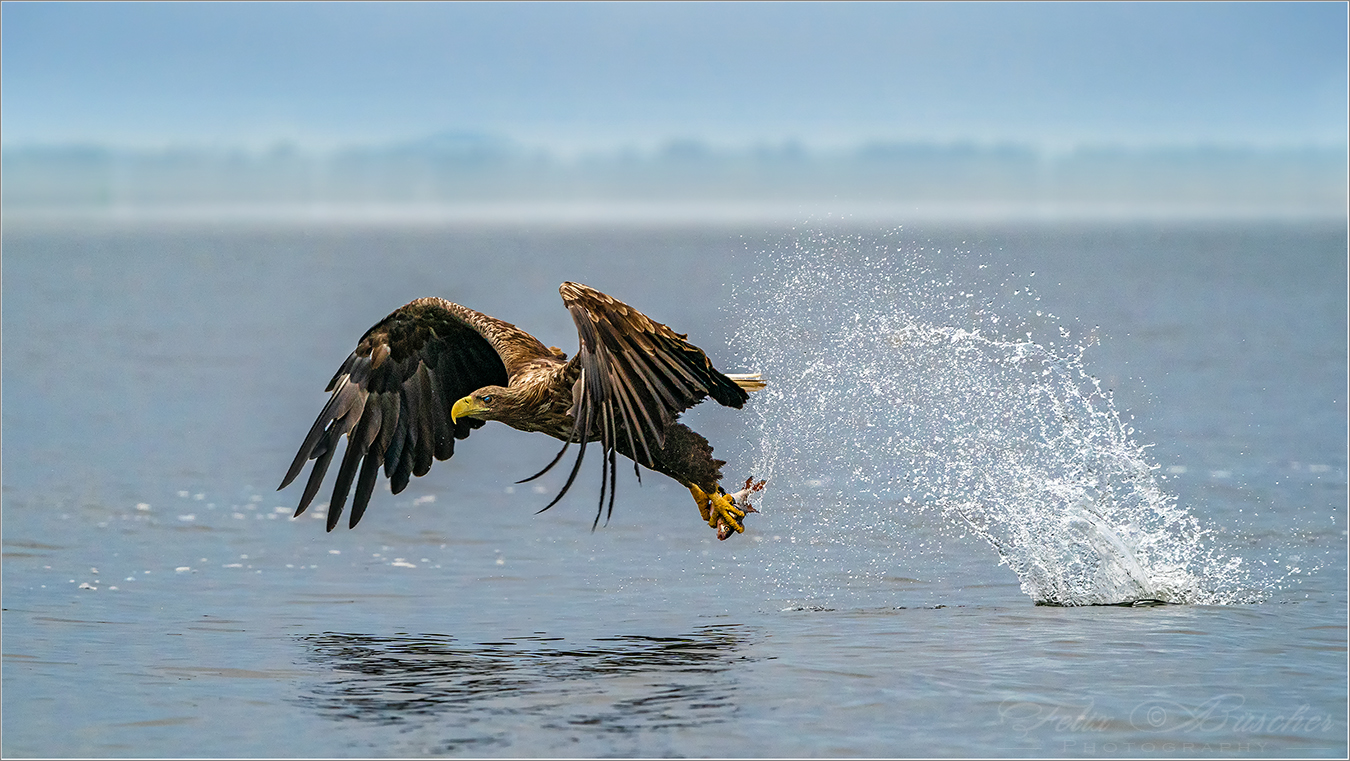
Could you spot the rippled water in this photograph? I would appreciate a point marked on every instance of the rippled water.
(158, 600)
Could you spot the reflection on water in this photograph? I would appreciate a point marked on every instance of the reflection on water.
(624, 684)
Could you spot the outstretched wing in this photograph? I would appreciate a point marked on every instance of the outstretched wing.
(392, 399)
(635, 377)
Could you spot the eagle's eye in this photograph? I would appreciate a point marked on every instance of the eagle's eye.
(487, 399)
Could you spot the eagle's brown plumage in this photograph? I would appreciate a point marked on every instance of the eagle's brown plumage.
(432, 371)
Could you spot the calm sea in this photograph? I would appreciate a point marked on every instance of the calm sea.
(963, 421)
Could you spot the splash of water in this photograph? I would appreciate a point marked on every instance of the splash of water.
(902, 390)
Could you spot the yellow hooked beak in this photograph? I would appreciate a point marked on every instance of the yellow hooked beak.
(466, 407)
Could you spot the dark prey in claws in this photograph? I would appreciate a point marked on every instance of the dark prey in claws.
(433, 371)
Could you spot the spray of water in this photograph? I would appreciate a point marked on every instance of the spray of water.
(901, 390)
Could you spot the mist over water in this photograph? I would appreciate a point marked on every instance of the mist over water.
(905, 403)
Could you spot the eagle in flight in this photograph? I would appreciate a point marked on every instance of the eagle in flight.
(433, 371)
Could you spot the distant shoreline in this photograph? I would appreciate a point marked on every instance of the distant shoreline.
(440, 181)
(648, 214)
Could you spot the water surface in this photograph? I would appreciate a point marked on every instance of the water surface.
(159, 601)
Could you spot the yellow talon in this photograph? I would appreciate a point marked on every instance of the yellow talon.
(701, 499)
(719, 510)
(724, 510)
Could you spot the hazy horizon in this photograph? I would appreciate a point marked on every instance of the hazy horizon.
(707, 110)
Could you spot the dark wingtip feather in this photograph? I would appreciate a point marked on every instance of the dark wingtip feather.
(297, 465)
(365, 486)
(343, 485)
(335, 513)
(547, 468)
(315, 479)
(576, 468)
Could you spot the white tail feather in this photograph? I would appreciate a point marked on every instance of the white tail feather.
(747, 381)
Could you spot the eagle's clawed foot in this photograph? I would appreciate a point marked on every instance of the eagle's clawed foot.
(720, 509)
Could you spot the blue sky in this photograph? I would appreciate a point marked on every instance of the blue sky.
(571, 76)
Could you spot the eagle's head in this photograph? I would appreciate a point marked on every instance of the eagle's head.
(487, 403)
